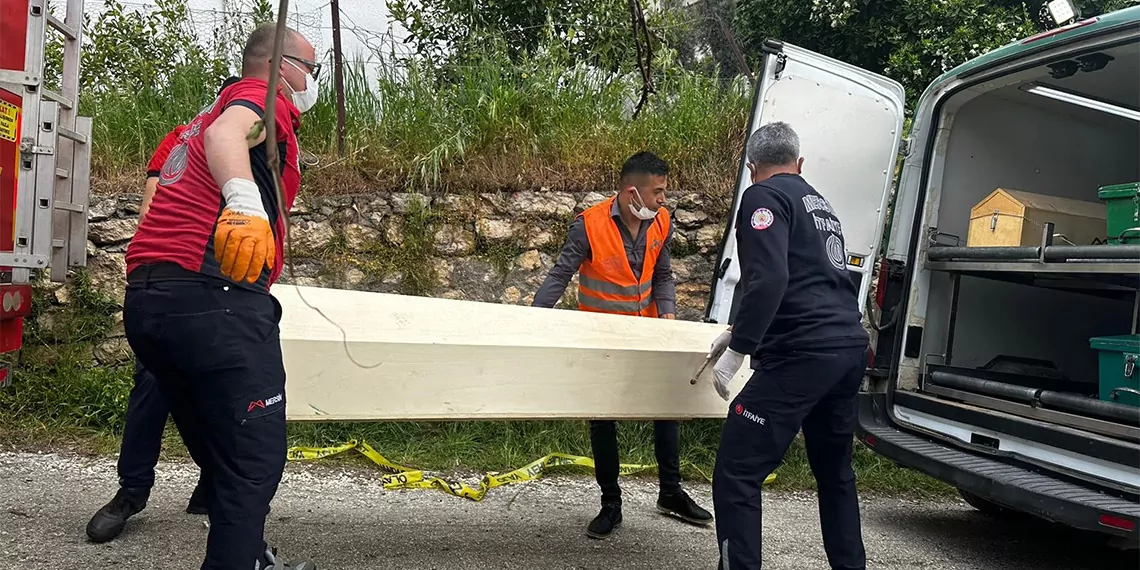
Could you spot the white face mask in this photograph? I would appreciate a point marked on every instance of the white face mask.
(304, 100)
(641, 212)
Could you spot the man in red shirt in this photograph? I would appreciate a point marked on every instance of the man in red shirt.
(146, 411)
(198, 313)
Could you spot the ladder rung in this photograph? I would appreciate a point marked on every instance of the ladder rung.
(62, 173)
(77, 208)
(18, 77)
(66, 30)
(64, 102)
(70, 134)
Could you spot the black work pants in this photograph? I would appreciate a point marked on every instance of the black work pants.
(607, 465)
(215, 352)
(815, 390)
(142, 433)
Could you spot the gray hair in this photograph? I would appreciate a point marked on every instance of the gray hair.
(774, 144)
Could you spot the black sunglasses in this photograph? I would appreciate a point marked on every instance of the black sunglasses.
(314, 66)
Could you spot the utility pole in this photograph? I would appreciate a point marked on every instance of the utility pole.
(338, 70)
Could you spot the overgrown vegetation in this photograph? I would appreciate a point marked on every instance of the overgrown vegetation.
(59, 381)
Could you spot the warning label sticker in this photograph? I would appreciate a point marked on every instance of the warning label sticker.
(9, 121)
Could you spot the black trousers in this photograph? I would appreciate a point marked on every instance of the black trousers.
(607, 464)
(815, 390)
(215, 352)
(142, 433)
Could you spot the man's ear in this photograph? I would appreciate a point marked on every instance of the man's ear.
(800, 165)
(751, 170)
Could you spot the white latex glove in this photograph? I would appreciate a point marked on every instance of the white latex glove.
(725, 370)
(720, 344)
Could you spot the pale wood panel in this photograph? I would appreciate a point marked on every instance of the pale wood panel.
(445, 359)
(1023, 216)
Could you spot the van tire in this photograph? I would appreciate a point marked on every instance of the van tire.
(984, 506)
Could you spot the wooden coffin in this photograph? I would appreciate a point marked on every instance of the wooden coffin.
(1014, 218)
(421, 358)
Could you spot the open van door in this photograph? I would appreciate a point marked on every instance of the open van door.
(850, 125)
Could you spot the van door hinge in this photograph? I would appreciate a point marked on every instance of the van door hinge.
(29, 148)
(781, 63)
(907, 146)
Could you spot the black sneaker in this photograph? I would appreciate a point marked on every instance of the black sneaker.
(108, 521)
(680, 505)
(271, 558)
(199, 500)
(604, 524)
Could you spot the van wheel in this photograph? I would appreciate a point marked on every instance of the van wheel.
(983, 505)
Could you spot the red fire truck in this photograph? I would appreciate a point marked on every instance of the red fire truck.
(45, 160)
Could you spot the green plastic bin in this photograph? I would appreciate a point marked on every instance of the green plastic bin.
(1119, 367)
(1122, 202)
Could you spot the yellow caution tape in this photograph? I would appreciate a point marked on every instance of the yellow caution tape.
(401, 477)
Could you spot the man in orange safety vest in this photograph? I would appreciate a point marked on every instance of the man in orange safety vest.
(620, 250)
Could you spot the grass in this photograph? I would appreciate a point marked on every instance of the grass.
(477, 447)
(500, 125)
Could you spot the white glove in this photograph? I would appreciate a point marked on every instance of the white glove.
(725, 370)
(244, 197)
(720, 344)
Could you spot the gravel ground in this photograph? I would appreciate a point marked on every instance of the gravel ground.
(343, 520)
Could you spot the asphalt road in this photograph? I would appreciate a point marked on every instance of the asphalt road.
(344, 520)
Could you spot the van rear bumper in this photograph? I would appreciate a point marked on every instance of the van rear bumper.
(1009, 485)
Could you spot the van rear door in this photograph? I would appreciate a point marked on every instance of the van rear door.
(850, 125)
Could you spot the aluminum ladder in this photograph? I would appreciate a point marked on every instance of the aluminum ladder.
(54, 177)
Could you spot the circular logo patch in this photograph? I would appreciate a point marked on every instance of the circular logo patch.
(739, 409)
(762, 218)
(174, 166)
(835, 253)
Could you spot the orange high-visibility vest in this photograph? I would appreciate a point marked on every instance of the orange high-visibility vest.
(606, 282)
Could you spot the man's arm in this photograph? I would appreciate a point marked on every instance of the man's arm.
(574, 252)
(148, 195)
(664, 286)
(762, 232)
(227, 149)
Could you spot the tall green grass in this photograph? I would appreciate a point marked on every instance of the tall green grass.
(415, 124)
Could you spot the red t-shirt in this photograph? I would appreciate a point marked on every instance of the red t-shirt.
(163, 150)
(179, 228)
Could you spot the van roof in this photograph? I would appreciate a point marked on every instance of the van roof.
(1090, 26)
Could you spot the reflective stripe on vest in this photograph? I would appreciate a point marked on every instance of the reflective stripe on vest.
(606, 282)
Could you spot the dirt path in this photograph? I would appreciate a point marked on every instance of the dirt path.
(344, 521)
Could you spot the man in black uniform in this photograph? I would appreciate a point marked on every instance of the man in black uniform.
(800, 323)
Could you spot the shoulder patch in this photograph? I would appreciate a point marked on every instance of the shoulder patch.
(762, 218)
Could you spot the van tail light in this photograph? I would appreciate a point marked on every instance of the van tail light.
(1118, 522)
(871, 441)
(881, 282)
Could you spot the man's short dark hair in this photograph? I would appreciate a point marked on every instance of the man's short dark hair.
(229, 81)
(644, 162)
(259, 47)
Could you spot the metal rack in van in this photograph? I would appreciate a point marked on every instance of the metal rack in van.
(1111, 271)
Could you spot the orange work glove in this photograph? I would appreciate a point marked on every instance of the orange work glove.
(243, 241)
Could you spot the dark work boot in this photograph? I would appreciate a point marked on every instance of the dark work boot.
(199, 500)
(274, 564)
(680, 505)
(108, 521)
(604, 524)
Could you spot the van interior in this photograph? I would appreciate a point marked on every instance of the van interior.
(1006, 356)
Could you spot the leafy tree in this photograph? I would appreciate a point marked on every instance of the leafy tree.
(911, 41)
(598, 32)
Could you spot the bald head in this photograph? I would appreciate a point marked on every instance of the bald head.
(259, 49)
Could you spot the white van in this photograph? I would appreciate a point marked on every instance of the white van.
(986, 360)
